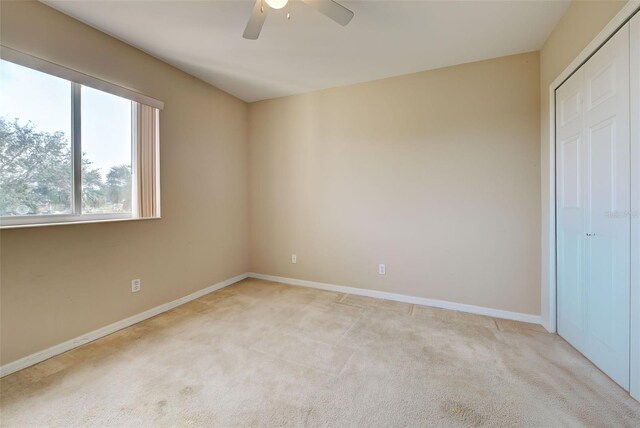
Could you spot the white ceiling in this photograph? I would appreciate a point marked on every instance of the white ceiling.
(310, 52)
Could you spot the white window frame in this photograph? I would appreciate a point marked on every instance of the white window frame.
(78, 80)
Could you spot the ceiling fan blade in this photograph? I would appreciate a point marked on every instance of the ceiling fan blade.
(333, 10)
(256, 20)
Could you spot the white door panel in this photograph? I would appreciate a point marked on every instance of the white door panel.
(570, 206)
(570, 228)
(593, 179)
(634, 30)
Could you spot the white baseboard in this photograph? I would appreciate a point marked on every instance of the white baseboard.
(496, 313)
(32, 359)
(119, 325)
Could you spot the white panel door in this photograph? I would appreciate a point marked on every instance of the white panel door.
(570, 205)
(634, 30)
(593, 152)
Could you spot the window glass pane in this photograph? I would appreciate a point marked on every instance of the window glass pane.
(35, 142)
(106, 153)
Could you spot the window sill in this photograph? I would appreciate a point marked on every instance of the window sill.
(71, 222)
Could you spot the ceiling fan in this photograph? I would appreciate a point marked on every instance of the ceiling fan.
(330, 8)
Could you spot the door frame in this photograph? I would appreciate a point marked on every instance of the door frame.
(549, 286)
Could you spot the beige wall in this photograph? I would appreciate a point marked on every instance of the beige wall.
(60, 282)
(582, 21)
(436, 174)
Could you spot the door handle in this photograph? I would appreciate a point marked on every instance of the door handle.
(591, 234)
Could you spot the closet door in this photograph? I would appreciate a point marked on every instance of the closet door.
(570, 207)
(593, 153)
(635, 206)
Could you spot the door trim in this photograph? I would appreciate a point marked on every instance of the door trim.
(548, 277)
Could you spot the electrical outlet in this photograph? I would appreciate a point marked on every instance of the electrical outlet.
(294, 259)
(382, 269)
(135, 285)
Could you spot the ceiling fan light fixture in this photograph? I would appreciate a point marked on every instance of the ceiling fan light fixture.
(330, 8)
(277, 4)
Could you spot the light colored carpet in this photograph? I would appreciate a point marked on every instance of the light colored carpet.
(266, 354)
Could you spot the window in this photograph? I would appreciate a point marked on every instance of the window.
(70, 151)
(106, 152)
(36, 176)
